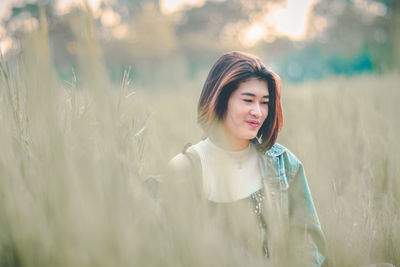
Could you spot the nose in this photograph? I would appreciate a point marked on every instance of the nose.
(256, 110)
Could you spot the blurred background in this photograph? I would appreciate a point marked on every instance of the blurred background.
(97, 96)
(166, 41)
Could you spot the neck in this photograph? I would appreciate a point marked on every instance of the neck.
(223, 139)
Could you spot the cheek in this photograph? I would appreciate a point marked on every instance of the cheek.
(235, 111)
(234, 119)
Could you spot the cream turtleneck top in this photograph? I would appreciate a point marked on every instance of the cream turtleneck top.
(228, 175)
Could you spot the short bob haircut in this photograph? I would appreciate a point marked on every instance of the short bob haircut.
(230, 70)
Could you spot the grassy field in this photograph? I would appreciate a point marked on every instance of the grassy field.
(73, 161)
(345, 131)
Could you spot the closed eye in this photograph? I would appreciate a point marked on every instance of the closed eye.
(248, 100)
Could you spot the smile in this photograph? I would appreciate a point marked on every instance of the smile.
(253, 124)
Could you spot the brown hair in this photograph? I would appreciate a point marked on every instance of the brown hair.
(225, 76)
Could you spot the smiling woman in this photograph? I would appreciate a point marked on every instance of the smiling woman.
(247, 110)
(240, 162)
(240, 84)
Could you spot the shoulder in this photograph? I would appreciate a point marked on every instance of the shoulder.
(179, 161)
(179, 164)
(185, 158)
(280, 153)
(182, 163)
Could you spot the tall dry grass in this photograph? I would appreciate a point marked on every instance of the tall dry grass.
(345, 131)
(73, 160)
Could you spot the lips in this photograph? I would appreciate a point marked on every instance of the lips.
(253, 123)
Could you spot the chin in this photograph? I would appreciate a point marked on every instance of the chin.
(250, 136)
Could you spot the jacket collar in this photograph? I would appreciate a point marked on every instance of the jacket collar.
(276, 150)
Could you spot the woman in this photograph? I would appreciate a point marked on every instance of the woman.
(239, 161)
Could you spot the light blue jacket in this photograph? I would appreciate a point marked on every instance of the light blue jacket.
(284, 174)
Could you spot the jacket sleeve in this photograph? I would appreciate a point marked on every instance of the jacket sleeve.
(303, 217)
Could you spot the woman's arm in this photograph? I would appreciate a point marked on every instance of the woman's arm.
(303, 216)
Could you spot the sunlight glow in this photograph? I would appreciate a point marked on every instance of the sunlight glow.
(109, 18)
(253, 34)
(5, 45)
(286, 20)
(171, 6)
(292, 19)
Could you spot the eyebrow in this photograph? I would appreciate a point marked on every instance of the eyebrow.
(250, 94)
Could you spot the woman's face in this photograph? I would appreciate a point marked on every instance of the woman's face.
(247, 111)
